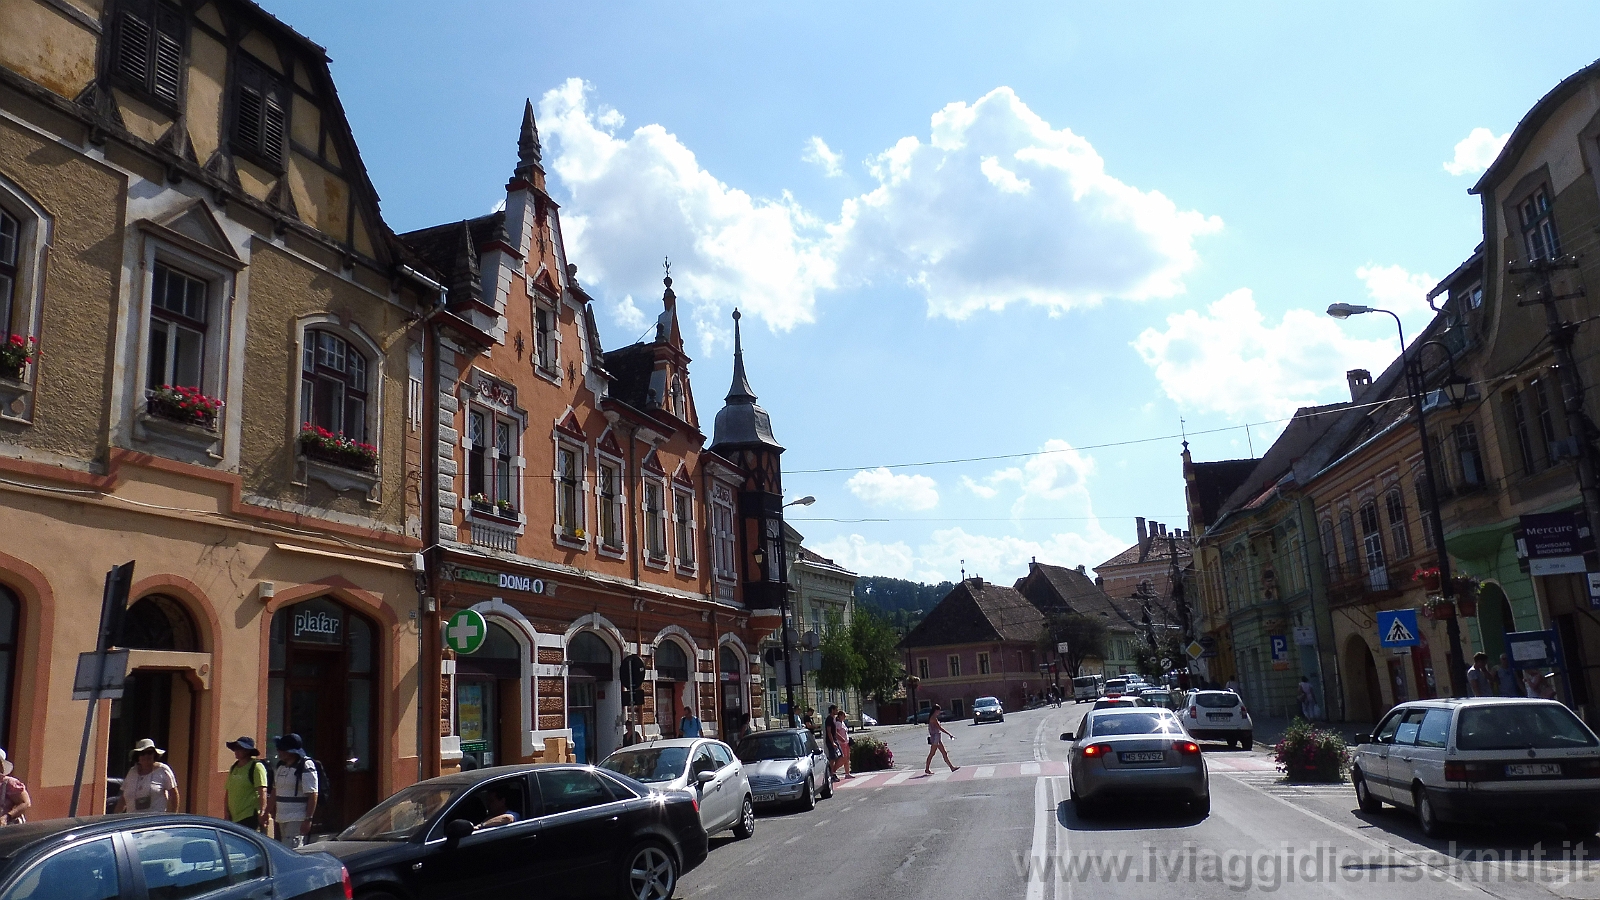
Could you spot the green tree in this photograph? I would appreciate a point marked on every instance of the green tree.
(877, 646)
(841, 665)
(1086, 636)
(1169, 645)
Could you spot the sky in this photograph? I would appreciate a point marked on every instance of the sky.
(1041, 239)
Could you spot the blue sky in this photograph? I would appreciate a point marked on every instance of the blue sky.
(975, 230)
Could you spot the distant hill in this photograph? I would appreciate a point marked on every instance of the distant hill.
(903, 603)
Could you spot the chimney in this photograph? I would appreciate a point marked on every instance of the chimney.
(1082, 570)
(1360, 380)
(977, 581)
(1139, 523)
(1163, 529)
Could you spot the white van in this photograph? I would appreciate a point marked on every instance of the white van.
(1088, 687)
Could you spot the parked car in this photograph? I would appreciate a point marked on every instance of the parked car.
(1135, 752)
(1219, 716)
(1115, 702)
(987, 709)
(704, 766)
(1115, 686)
(920, 717)
(1482, 760)
(785, 765)
(1156, 696)
(868, 721)
(1088, 687)
(176, 855)
(572, 828)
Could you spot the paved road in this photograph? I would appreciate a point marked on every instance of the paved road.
(1003, 827)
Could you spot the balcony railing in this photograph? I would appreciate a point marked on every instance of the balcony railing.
(492, 537)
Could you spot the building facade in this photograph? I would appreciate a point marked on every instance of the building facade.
(982, 640)
(217, 335)
(822, 598)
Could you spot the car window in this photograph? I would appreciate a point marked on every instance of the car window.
(649, 765)
(401, 816)
(475, 807)
(179, 862)
(621, 790)
(1435, 730)
(1541, 726)
(87, 871)
(564, 790)
(703, 761)
(246, 861)
(775, 745)
(723, 754)
(1217, 701)
(1407, 732)
(1385, 732)
(1130, 723)
(811, 744)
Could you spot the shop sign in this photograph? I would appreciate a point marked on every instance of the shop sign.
(501, 580)
(465, 631)
(1553, 543)
(316, 626)
(1305, 636)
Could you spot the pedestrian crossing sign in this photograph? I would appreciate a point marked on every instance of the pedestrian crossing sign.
(1398, 628)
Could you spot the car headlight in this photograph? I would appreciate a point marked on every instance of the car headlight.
(794, 773)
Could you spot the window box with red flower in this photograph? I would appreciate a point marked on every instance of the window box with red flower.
(15, 354)
(336, 449)
(184, 404)
(1429, 578)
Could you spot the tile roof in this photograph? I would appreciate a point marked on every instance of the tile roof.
(1055, 588)
(1212, 482)
(1155, 547)
(976, 611)
(630, 368)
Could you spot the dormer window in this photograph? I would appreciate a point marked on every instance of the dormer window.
(260, 114)
(1539, 226)
(148, 52)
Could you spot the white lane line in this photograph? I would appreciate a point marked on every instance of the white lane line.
(1041, 838)
(822, 823)
(897, 779)
(1416, 858)
(1038, 739)
(1030, 769)
(795, 838)
(984, 772)
(755, 861)
(942, 776)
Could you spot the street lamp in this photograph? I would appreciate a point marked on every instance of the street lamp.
(807, 500)
(1455, 389)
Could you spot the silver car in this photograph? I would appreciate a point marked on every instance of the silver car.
(785, 766)
(1219, 716)
(987, 709)
(704, 767)
(1140, 751)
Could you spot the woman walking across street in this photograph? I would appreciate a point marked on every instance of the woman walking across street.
(150, 786)
(936, 736)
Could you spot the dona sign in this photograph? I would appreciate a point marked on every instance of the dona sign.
(501, 580)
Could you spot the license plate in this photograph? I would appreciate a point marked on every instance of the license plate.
(1142, 756)
(765, 798)
(1525, 770)
(1216, 716)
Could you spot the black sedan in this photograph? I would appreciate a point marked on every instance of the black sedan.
(147, 857)
(515, 831)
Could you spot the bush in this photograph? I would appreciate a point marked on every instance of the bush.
(1308, 753)
(868, 754)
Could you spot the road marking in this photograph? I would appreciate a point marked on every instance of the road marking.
(795, 838)
(1030, 769)
(984, 772)
(755, 861)
(822, 823)
(942, 776)
(1042, 814)
(897, 779)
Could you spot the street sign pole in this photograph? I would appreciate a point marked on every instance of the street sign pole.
(113, 602)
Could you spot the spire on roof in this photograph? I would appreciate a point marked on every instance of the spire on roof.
(529, 152)
(465, 284)
(740, 391)
(667, 323)
(742, 421)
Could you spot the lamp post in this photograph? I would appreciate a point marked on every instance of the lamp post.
(1456, 390)
(787, 632)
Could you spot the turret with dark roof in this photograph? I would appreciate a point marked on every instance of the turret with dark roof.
(741, 422)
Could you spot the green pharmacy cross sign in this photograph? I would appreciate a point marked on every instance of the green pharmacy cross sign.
(465, 631)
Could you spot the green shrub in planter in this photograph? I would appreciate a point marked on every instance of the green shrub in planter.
(1308, 753)
(868, 754)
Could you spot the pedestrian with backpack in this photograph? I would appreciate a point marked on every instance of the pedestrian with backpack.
(294, 796)
(247, 786)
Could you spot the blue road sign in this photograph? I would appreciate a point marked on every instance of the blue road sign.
(1398, 628)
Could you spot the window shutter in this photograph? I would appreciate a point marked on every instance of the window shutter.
(168, 53)
(273, 119)
(248, 125)
(133, 46)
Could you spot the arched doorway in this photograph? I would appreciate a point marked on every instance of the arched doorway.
(322, 685)
(488, 700)
(159, 704)
(10, 614)
(592, 698)
(1365, 693)
(730, 677)
(672, 685)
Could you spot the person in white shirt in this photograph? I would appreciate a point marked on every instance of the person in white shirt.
(294, 795)
(150, 786)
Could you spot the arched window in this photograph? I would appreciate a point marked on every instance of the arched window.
(1372, 545)
(1330, 549)
(590, 655)
(1347, 537)
(1399, 530)
(672, 662)
(10, 246)
(333, 385)
(10, 609)
(158, 622)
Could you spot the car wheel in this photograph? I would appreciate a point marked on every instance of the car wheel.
(1364, 798)
(827, 787)
(1249, 740)
(1426, 817)
(1202, 807)
(747, 820)
(651, 873)
(1086, 809)
(808, 799)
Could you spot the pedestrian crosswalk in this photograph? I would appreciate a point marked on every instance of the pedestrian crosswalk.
(1252, 766)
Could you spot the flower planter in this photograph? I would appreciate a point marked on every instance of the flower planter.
(172, 412)
(355, 461)
(11, 371)
(1467, 606)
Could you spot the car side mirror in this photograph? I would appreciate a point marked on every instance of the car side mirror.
(704, 777)
(1066, 736)
(1364, 738)
(456, 829)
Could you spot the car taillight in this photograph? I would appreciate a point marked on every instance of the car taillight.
(348, 893)
(1186, 747)
(1096, 750)
(1244, 710)
(1583, 768)
(695, 800)
(1465, 771)
(1194, 713)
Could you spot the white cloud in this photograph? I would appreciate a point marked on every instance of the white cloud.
(628, 314)
(1231, 360)
(864, 557)
(881, 487)
(999, 558)
(995, 207)
(1476, 152)
(999, 207)
(640, 196)
(1397, 290)
(817, 151)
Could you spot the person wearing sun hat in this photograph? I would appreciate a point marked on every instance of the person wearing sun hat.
(150, 786)
(294, 795)
(247, 785)
(14, 799)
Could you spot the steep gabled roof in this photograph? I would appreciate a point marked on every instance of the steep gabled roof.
(1532, 121)
(976, 611)
(630, 368)
(439, 246)
(1212, 482)
(1155, 547)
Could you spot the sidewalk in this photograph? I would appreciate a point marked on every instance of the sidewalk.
(1269, 731)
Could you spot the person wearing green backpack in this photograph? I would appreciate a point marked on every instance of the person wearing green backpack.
(247, 786)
